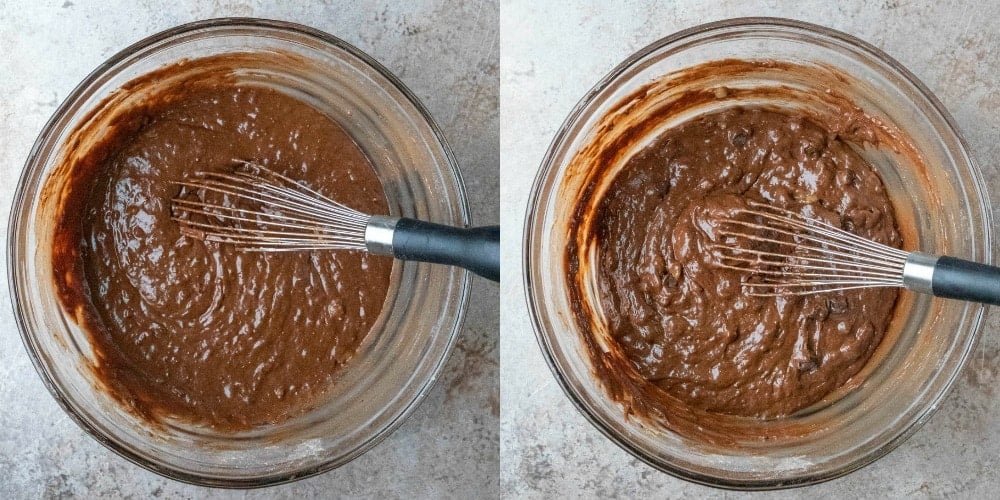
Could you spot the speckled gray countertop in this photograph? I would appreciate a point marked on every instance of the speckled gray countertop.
(447, 53)
(473, 436)
(551, 54)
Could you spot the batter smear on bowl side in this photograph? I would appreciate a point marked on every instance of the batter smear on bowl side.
(202, 332)
(685, 324)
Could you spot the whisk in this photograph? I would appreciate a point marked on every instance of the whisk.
(264, 211)
(789, 254)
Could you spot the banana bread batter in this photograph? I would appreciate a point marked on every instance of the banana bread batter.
(685, 324)
(199, 331)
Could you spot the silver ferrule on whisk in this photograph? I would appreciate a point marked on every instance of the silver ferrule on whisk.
(378, 234)
(918, 272)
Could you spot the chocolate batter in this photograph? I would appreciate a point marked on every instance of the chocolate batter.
(198, 331)
(684, 324)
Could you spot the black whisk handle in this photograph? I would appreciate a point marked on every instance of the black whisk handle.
(476, 248)
(966, 280)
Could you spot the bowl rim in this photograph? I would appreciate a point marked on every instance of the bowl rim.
(977, 185)
(18, 206)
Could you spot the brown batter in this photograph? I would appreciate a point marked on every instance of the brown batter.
(685, 324)
(198, 331)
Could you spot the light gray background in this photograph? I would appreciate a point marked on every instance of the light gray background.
(551, 54)
(447, 53)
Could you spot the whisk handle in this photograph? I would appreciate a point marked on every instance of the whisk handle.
(966, 280)
(476, 248)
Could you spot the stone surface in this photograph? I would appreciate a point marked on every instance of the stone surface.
(447, 53)
(552, 53)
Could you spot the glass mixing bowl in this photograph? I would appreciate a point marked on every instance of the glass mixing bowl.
(939, 196)
(398, 361)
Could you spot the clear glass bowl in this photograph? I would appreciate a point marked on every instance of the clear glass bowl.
(398, 361)
(939, 195)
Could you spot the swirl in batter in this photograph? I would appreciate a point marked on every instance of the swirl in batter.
(203, 332)
(684, 323)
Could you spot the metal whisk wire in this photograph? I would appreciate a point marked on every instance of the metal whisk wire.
(262, 210)
(789, 254)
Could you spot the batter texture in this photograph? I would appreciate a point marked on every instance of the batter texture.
(199, 331)
(684, 323)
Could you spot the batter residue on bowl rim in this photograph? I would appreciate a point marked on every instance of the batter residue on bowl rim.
(673, 338)
(196, 331)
